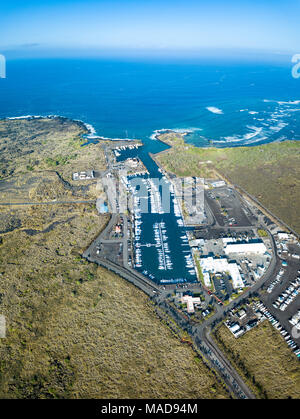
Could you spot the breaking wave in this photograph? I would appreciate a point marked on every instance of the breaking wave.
(215, 110)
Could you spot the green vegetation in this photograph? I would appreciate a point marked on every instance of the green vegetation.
(199, 269)
(270, 172)
(262, 233)
(264, 360)
(56, 161)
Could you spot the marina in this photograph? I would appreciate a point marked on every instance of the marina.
(117, 150)
(160, 243)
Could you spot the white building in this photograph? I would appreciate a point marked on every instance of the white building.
(211, 265)
(283, 236)
(234, 272)
(246, 247)
(89, 174)
(226, 240)
(234, 328)
(218, 183)
(206, 278)
(190, 301)
(197, 243)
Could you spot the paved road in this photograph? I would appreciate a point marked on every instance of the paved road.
(218, 359)
(129, 274)
(139, 280)
(210, 351)
(200, 334)
(257, 202)
(222, 311)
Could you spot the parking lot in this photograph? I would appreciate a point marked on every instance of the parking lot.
(223, 286)
(291, 272)
(219, 232)
(227, 207)
(110, 251)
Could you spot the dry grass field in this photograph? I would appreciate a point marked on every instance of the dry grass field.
(75, 330)
(38, 157)
(45, 144)
(265, 361)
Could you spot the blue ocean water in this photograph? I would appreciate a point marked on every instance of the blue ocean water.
(222, 104)
(229, 103)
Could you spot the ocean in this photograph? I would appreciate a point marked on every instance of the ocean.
(229, 104)
(224, 104)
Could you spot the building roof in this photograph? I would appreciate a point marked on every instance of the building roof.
(206, 279)
(197, 242)
(190, 301)
(234, 328)
(234, 272)
(245, 247)
(212, 265)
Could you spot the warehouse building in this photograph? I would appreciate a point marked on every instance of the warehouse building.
(218, 183)
(257, 247)
(190, 301)
(211, 265)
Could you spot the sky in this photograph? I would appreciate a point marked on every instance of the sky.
(271, 25)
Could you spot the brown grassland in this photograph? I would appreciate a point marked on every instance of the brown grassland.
(270, 172)
(74, 330)
(264, 360)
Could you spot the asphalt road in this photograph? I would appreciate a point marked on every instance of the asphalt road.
(199, 333)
